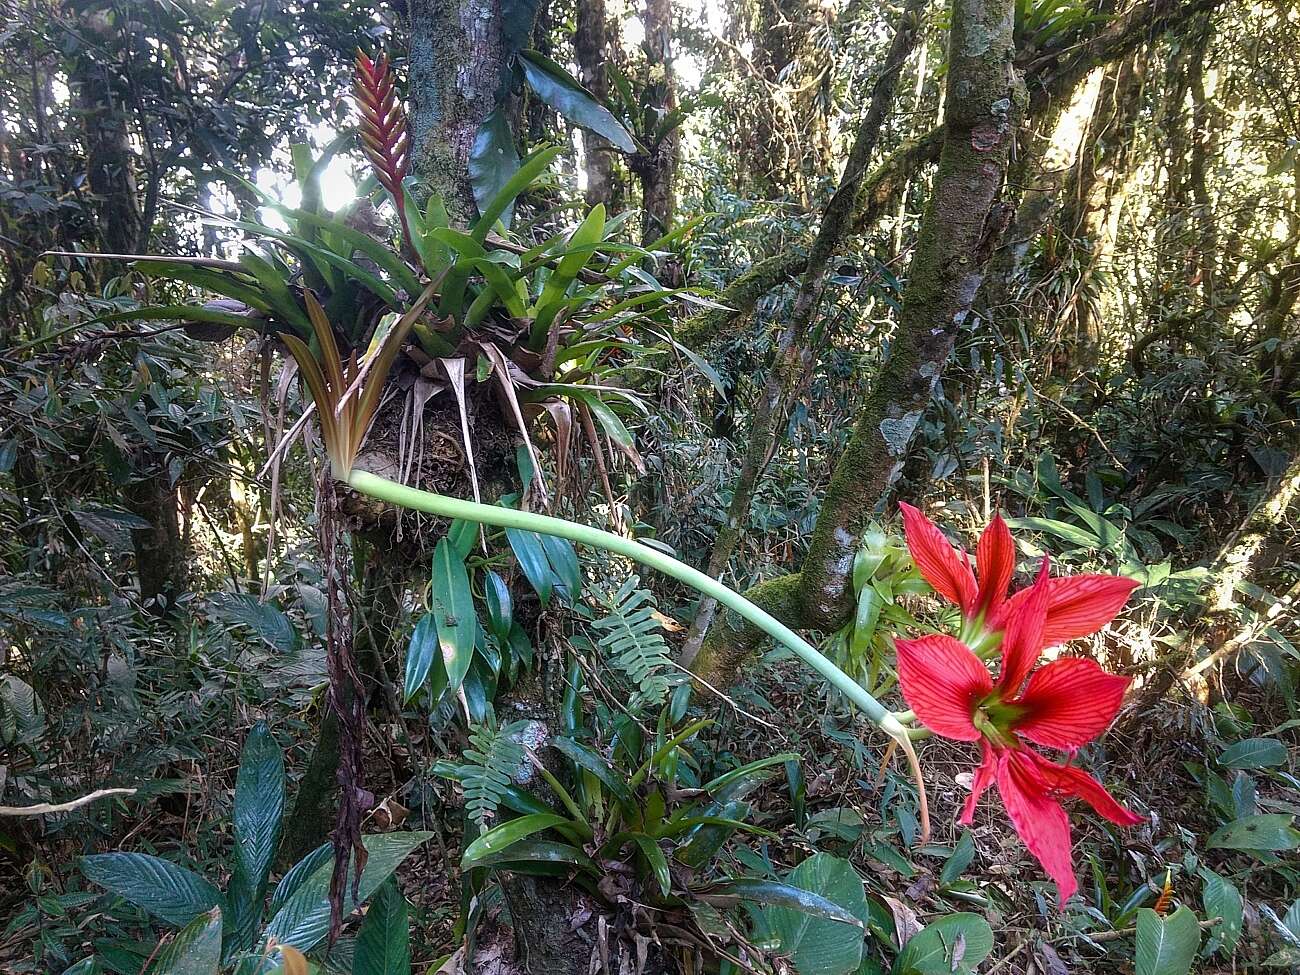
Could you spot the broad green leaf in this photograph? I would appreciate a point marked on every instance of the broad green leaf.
(1061, 529)
(304, 917)
(657, 861)
(194, 950)
(531, 168)
(578, 252)
(453, 606)
(1272, 832)
(1222, 900)
(500, 607)
(1166, 945)
(493, 161)
(420, 655)
(298, 873)
(564, 563)
(259, 807)
(527, 547)
(585, 758)
(819, 945)
(384, 941)
(562, 92)
(531, 851)
(773, 893)
(168, 892)
(960, 859)
(952, 944)
(1254, 753)
(499, 838)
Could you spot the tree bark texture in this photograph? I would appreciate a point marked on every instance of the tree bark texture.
(658, 167)
(960, 227)
(591, 50)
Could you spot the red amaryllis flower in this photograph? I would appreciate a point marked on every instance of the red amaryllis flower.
(1065, 704)
(1078, 605)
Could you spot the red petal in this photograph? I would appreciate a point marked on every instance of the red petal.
(995, 557)
(985, 773)
(1023, 640)
(1080, 605)
(942, 681)
(1038, 818)
(1070, 780)
(1068, 703)
(938, 562)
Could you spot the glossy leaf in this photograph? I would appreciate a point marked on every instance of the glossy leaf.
(1272, 832)
(953, 944)
(1222, 900)
(500, 607)
(453, 606)
(493, 161)
(500, 837)
(420, 655)
(562, 92)
(169, 892)
(384, 941)
(819, 945)
(528, 549)
(194, 950)
(773, 893)
(303, 918)
(1254, 753)
(259, 807)
(1166, 945)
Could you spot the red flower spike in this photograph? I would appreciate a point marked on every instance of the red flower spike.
(1064, 704)
(384, 135)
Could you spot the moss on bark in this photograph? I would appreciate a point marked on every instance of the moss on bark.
(732, 641)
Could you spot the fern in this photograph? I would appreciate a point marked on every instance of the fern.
(633, 642)
(492, 760)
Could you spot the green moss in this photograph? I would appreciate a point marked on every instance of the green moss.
(732, 641)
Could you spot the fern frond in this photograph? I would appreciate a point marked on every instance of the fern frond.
(491, 762)
(633, 642)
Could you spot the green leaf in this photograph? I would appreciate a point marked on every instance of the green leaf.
(453, 605)
(500, 607)
(751, 770)
(170, 893)
(585, 758)
(419, 655)
(384, 942)
(259, 807)
(819, 945)
(1222, 900)
(532, 167)
(1272, 833)
(564, 563)
(543, 852)
(304, 917)
(493, 160)
(1166, 945)
(194, 950)
(499, 838)
(578, 252)
(527, 547)
(562, 92)
(1254, 753)
(1061, 529)
(657, 861)
(773, 893)
(956, 943)
(961, 858)
(299, 872)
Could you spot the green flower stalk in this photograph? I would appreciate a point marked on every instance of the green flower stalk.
(343, 427)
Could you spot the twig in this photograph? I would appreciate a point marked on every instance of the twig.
(46, 808)
(1121, 933)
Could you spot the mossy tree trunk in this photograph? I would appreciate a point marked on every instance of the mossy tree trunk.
(591, 50)
(793, 356)
(960, 228)
(657, 167)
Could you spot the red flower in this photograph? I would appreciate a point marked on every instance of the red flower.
(1077, 606)
(384, 135)
(1065, 704)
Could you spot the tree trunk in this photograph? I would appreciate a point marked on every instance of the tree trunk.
(793, 357)
(591, 50)
(160, 550)
(456, 65)
(959, 230)
(658, 168)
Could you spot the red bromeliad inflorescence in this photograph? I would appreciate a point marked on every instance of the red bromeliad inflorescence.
(384, 135)
(1064, 704)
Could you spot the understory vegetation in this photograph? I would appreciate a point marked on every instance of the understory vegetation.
(574, 486)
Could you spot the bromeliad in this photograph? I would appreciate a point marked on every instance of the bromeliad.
(1064, 704)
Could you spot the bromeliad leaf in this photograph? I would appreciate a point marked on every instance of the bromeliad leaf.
(169, 892)
(500, 838)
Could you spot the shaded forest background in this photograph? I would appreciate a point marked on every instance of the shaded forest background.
(759, 270)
